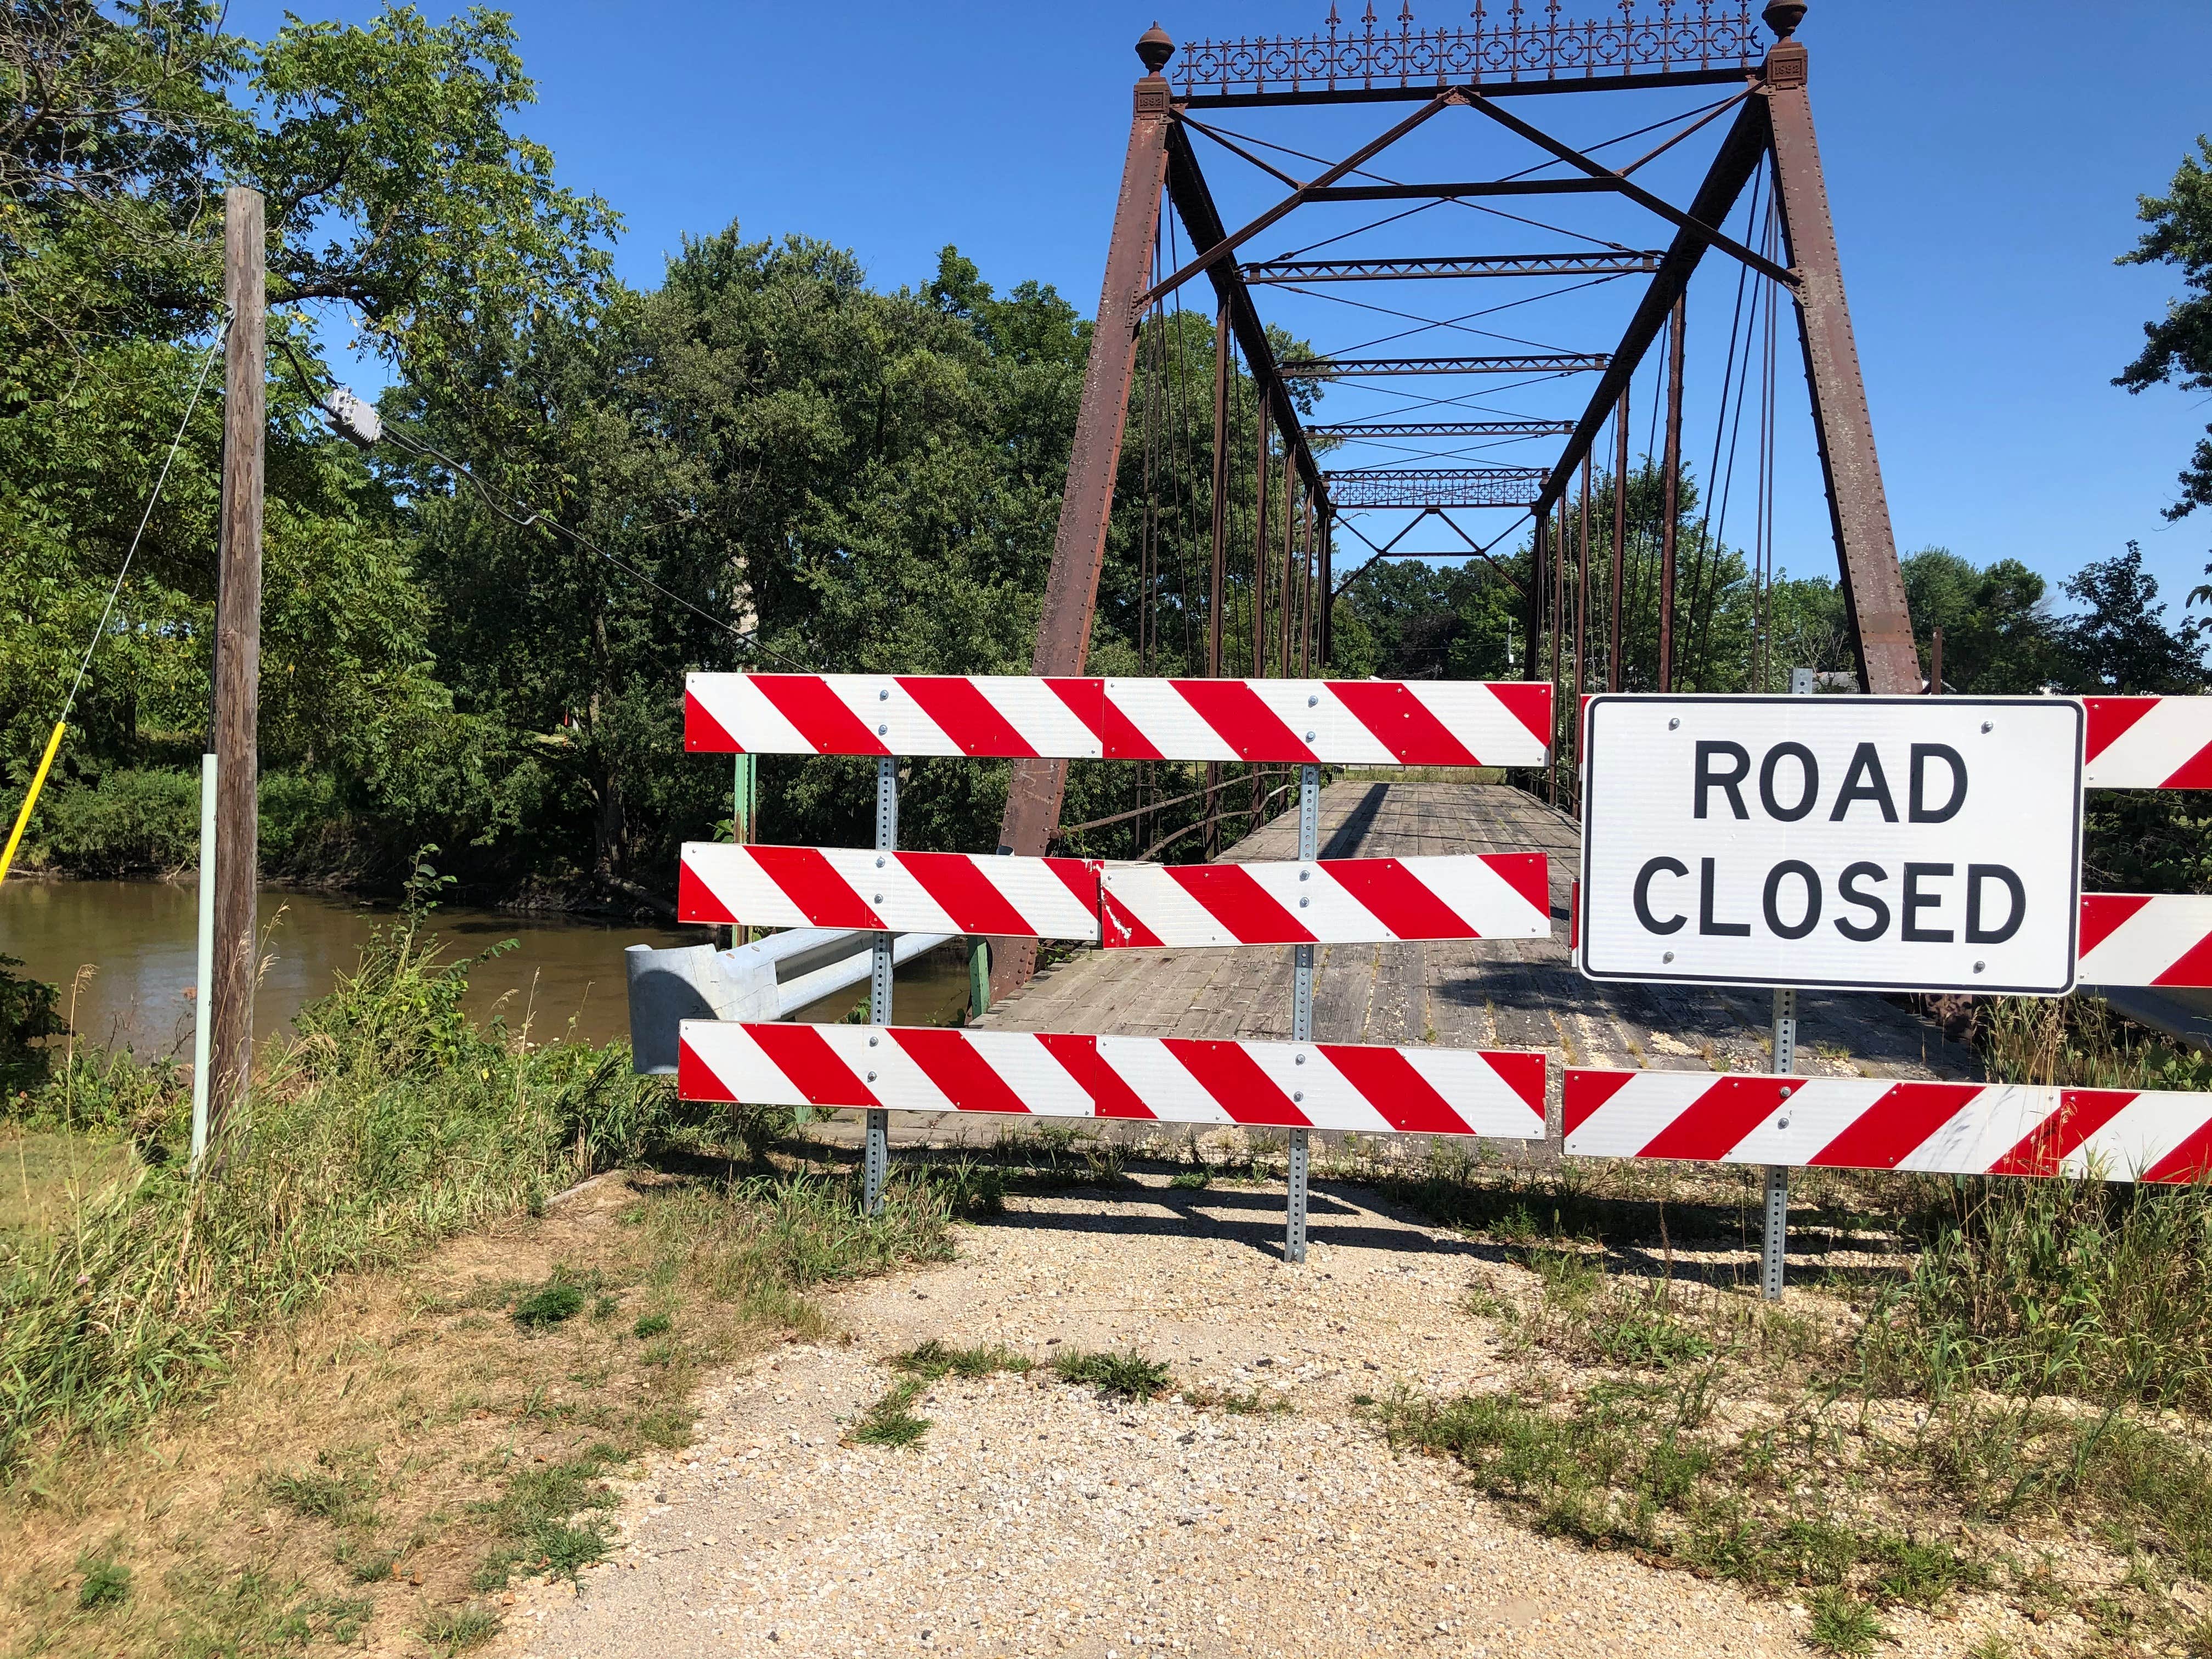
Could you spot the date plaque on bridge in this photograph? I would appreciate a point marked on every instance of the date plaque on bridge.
(1844, 843)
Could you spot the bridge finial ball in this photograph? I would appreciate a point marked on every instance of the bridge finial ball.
(1782, 16)
(1155, 48)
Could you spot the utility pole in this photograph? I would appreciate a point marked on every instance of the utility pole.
(238, 657)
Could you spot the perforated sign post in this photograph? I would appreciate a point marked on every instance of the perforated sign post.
(1846, 843)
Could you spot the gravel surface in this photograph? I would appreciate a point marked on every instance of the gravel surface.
(1039, 1517)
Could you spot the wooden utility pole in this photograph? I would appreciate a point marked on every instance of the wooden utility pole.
(238, 655)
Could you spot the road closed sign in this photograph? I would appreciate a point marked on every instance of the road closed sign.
(1854, 843)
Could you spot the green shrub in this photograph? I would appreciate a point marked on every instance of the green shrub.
(129, 821)
(29, 1009)
(550, 1304)
(107, 1581)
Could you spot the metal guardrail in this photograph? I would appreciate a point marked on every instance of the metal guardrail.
(770, 979)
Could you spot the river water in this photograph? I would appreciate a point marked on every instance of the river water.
(124, 951)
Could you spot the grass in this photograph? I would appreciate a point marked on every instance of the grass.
(431, 1413)
(1841, 1623)
(388, 1123)
(891, 1420)
(456, 1629)
(934, 1360)
(1129, 1374)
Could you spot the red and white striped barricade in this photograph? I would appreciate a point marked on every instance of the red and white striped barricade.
(1323, 901)
(1328, 900)
(2147, 743)
(1321, 1085)
(971, 893)
(1871, 1123)
(1340, 722)
(2146, 938)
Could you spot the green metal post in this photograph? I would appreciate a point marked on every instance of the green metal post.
(979, 978)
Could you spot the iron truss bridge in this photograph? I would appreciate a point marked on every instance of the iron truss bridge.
(1356, 430)
(1625, 263)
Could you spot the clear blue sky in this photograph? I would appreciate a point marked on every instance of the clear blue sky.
(1983, 161)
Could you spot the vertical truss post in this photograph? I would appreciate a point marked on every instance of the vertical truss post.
(1559, 562)
(1327, 587)
(1216, 616)
(876, 1164)
(1532, 653)
(1306, 575)
(1613, 681)
(1582, 630)
(1290, 556)
(1858, 509)
(1260, 548)
(1079, 548)
(1670, 506)
(1302, 989)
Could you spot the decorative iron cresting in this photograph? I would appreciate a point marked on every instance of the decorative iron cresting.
(1681, 37)
(1488, 486)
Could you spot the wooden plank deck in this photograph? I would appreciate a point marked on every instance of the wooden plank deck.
(1507, 993)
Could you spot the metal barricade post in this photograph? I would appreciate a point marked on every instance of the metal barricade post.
(1294, 1230)
(877, 1162)
(1775, 1245)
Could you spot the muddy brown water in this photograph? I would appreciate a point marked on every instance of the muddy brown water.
(565, 976)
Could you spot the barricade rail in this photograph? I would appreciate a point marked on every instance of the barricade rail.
(1871, 1123)
(1316, 902)
(1334, 722)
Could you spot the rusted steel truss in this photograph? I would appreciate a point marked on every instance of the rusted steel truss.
(1356, 429)
(1512, 50)
(1540, 363)
(1473, 264)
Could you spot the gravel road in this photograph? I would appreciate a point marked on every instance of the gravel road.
(1037, 1517)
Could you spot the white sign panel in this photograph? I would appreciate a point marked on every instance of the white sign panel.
(1857, 843)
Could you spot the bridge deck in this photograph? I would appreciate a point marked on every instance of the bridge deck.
(1507, 993)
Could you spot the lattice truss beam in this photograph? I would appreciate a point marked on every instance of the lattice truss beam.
(1455, 380)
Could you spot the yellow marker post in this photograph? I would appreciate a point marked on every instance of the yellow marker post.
(38, 782)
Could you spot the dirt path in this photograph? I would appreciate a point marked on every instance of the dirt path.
(1037, 1517)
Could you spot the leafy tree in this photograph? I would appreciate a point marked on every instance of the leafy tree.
(2177, 347)
(2120, 642)
(395, 190)
(1999, 636)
